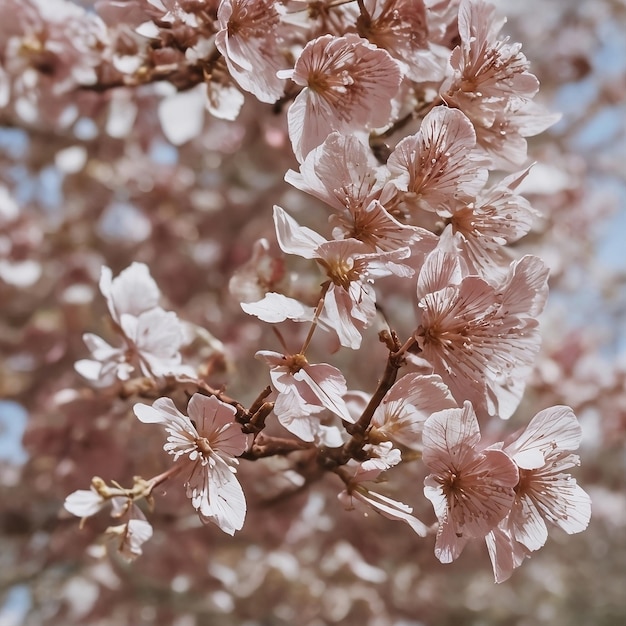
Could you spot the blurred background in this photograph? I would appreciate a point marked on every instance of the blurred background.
(109, 188)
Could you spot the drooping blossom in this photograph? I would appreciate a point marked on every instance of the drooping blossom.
(546, 492)
(342, 173)
(401, 28)
(471, 490)
(151, 337)
(351, 267)
(439, 165)
(401, 415)
(348, 85)
(207, 442)
(479, 337)
(248, 40)
(132, 533)
(360, 481)
(304, 391)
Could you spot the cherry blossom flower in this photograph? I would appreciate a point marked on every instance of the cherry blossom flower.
(499, 216)
(348, 85)
(491, 84)
(400, 27)
(358, 493)
(471, 490)
(208, 442)
(349, 300)
(151, 337)
(481, 338)
(439, 165)
(248, 40)
(401, 415)
(305, 390)
(341, 172)
(546, 493)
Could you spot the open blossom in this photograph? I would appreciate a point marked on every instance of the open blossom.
(341, 173)
(497, 217)
(471, 490)
(401, 415)
(351, 267)
(491, 84)
(348, 85)
(359, 485)
(151, 337)
(207, 442)
(546, 493)
(248, 40)
(305, 390)
(401, 28)
(439, 165)
(481, 338)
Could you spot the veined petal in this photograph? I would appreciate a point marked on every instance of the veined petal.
(293, 238)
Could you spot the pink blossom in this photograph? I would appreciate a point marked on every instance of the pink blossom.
(401, 415)
(305, 390)
(471, 491)
(400, 27)
(263, 272)
(348, 85)
(209, 440)
(545, 492)
(499, 216)
(151, 337)
(341, 172)
(248, 40)
(481, 338)
(491, 84)
(439, 165)
(349, 300)
(131, 535)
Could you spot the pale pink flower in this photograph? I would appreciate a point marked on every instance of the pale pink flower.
(485, 66)
(348, 85)
(480, 338)
(305, 390)
(351, 267)
(359, 493)
(471, 490)
(491, 84)
(151, 337)
(342, 173)
(439, 165)
(248, 40)
(499, 216)
(401, 415)
(546, 492)
(208, 440)
(401, 28)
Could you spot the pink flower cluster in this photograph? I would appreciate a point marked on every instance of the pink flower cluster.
(402, 117)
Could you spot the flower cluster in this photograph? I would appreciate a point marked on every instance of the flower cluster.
(407, 122)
